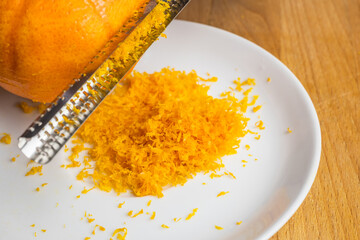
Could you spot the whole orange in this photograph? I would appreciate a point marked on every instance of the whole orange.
(45, 44)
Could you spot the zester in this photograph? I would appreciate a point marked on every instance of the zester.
(53, 128)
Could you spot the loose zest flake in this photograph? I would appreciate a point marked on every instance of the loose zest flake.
(121, 204)
(35, 170)
(191, 214)
(164, 226)
(222, 193)
(218, 227)
(289, 131)
(101, 228)
(153, 216)
(166, 125)
(130, 213)
(6, 139)
(260, 125)
(257, 108)
(119, 233)
(149, 203)
(85, 191)
(214, 175)
(137, 214)
(238, 223)
(25, 107)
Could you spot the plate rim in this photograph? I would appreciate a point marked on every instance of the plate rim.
(315, 161)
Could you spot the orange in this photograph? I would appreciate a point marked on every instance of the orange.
(45, 44)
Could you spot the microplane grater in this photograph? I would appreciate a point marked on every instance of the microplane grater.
(53, 128)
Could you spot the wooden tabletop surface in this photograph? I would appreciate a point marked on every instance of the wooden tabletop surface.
(319, 40)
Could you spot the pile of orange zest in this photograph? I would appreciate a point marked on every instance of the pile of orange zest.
(257, 108)
(289, 130)
(218, 227)
(119, 233)
(149, 202)
(35, 170)
(130, 213)
(167, 130)
(6, 139)
(164, 226)
(247, 147)
(121, 204)
(260, 125)
(137, 214)
(153, 216)
(85, 191)
(191, 214)
(238, 223)
(222, 193)
(25, 107)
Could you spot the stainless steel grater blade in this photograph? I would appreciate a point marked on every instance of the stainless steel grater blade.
(52, 129)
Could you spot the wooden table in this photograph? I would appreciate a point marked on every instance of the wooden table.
(319, 40)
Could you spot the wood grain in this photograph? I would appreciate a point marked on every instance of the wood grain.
(319, 40)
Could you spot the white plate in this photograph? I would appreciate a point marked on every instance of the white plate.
(265, 195)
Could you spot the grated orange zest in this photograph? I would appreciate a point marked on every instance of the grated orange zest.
(34, 170)
(6, 139)
(168, 129)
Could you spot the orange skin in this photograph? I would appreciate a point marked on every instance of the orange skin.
(45, 44)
